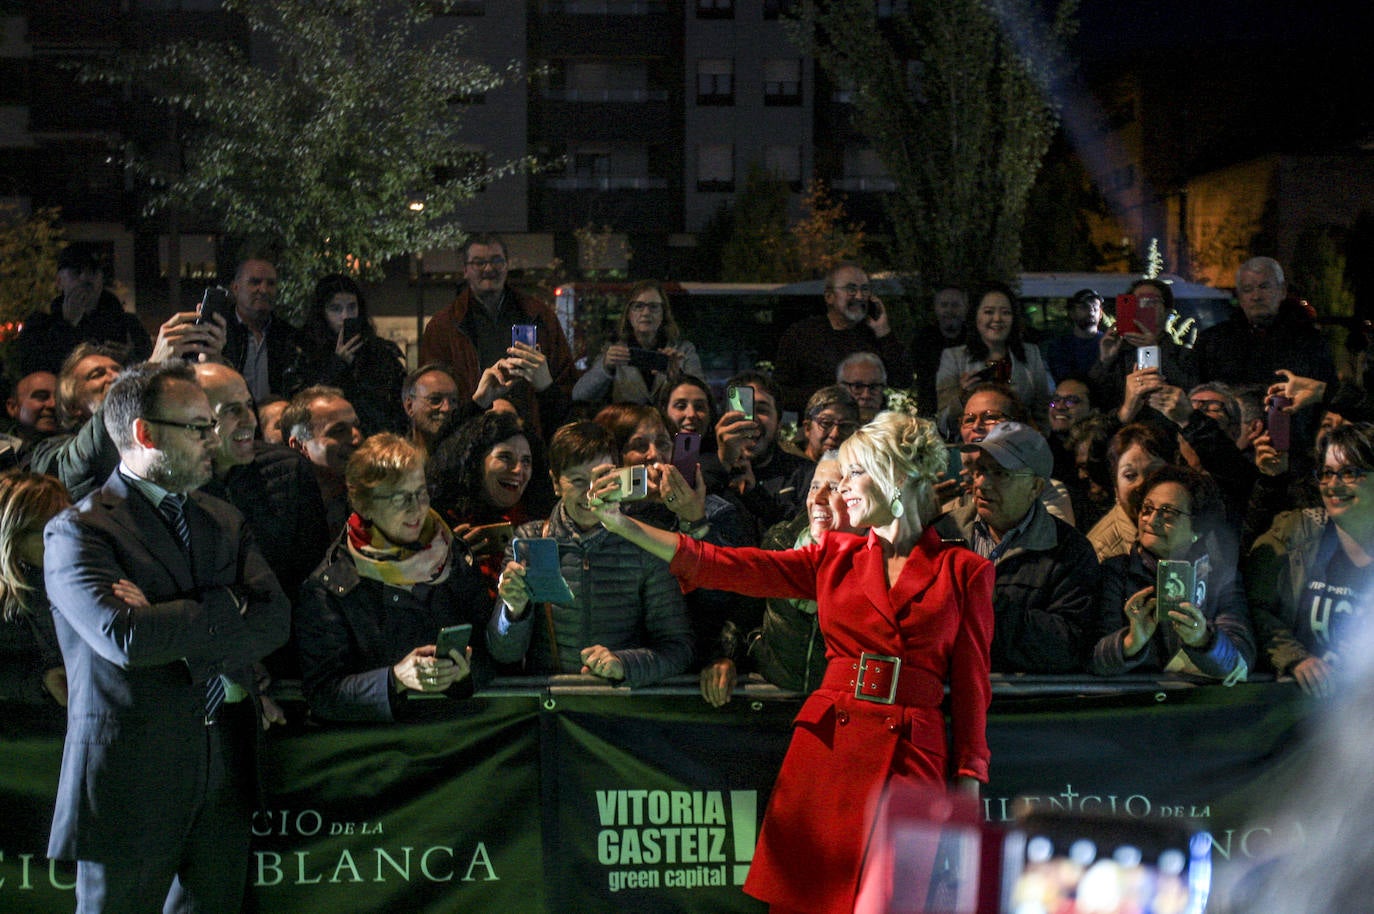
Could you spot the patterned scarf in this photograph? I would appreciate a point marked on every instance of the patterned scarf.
(379, 559)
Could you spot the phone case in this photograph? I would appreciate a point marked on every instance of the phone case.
(524, 333)
(686, 453)
(1147, 357)
(543, 574)
(1175, 583)
(454, 637)
(742, 400)
(1279, 424)
(648, 359)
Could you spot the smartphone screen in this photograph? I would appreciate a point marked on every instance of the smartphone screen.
(686, 453)
(741, 399)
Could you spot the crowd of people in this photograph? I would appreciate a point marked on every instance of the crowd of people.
(234, 501)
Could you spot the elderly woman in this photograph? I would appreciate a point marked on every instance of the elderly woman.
(30, 660)
(831, 416)
(646, 354)
(627, 621)
(370, 615)
(1310, 576)
(903, 614)
(1134, 453)
(1180, 518)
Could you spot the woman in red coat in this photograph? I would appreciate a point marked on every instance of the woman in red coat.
(903, 615)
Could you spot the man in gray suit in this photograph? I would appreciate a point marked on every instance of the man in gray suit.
(162, 604)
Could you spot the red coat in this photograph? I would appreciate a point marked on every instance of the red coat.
(938, 619)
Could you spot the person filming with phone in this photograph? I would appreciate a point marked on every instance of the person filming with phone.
(599, 607)
(370, 618)
(645, 356)
(1150, 621)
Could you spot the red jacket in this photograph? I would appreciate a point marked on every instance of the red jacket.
(938, 620)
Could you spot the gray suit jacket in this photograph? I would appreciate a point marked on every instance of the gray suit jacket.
(135, 751)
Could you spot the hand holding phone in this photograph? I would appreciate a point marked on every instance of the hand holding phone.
(1279, 423)
(543, 573)
(451, 639)
(686, 454)
(214, 300)
(352, 326)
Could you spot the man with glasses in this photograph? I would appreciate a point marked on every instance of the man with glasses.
(855, 320)
(162, 604)
(1046, 571)
(473, 334)
(863, 375)
(429, 395)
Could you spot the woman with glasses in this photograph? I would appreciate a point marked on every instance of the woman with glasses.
(643, 357)
(994, 351)
(370, 615)
(832, 415)
(343, 350)
(1180, 519)
(1309, 578)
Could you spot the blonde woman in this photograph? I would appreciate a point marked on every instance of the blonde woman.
(30, 660)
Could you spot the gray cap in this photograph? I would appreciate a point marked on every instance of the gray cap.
(1016, 447)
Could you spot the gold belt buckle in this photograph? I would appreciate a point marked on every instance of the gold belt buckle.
(871, 691)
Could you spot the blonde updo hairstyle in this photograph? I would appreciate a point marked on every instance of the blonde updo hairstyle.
(905, 455)
(381, 460)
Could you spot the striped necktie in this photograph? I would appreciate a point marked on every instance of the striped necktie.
(173, 508)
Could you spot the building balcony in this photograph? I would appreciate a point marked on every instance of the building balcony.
(605, 119)
(625, 203)
(875, 184)
(602, 30)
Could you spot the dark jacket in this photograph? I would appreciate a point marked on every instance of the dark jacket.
(350, 632)
(81, 459)
(28, 649)
(286, 359)
(623, 598)
(372, 383)
(47, 339)
(1238, 353)
(1044, 597)
(1232, 647)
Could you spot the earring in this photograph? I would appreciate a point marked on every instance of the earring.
(896, 506)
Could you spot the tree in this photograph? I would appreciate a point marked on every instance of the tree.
(338, 151)
(29, 245)
(759, 247)
(824, 237)
(954, 97)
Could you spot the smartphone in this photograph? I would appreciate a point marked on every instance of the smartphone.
(634, 484)
(1147, 357)
(872, 310)
(498, 536)
(954, 461)
(543, 573)
(648, 359)
(453, 638)
(741, 399)
(1279, 423)
(1129, 313)
(1052, 860)
(1175, 583)
(525, 333)
(352, 326)
(686, 453)
(214, 300)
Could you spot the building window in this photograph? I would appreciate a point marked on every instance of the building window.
(776, 9)
(782, 82)
(455, 7)
(886, 9)
(715, 9)
(716, 167)
(715, 81)
(785, 164)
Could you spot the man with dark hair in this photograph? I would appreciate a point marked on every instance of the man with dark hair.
(83, 311)
(323, 426)
(946, 328)
(474, 333)
(854, 321)
(162, 604)
(263, 348)
(1076, 352)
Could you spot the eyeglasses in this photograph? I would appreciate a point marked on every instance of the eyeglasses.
(403, 500)
(1069, 401)
(1211, 407)
(482, 263)
(859, 387)
(202, 430)
(986, 417)
(852, 289)
(1348, 476)
(437, 400)
(1167, 513)
(652, 307)
(828, 425)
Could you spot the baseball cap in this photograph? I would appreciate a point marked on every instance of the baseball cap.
(1016, 446)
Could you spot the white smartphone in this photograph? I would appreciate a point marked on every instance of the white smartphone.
(1147, 357)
